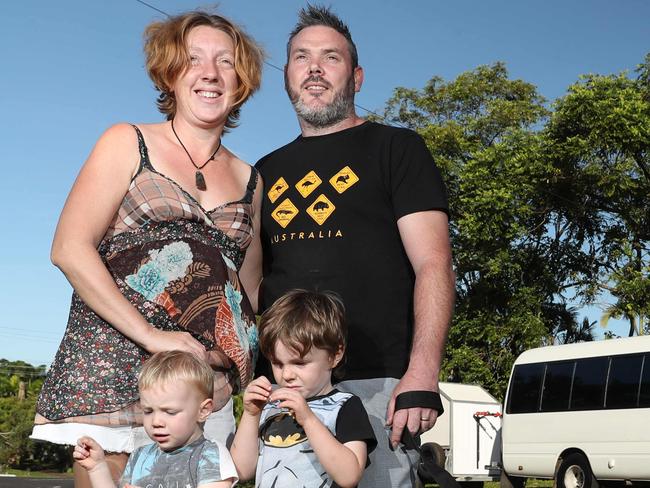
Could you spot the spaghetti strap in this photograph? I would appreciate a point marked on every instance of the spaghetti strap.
(142, 148)
(252, 184)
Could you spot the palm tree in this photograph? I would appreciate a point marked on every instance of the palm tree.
(579, 333)
(564, 324)
(616, 311)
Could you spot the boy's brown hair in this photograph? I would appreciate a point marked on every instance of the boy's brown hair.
(303, 319)
(168, 366)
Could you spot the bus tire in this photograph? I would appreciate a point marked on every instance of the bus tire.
(575, 472)
(508, 481)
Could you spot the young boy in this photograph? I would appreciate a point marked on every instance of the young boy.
(176, 391)
(310, 434)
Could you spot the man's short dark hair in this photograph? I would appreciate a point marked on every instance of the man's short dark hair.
(318, 15)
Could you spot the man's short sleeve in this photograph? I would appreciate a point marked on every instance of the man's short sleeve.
(415, 181)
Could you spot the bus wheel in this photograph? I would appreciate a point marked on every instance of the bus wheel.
(575, 472)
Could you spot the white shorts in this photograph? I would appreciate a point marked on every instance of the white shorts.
(219, 427)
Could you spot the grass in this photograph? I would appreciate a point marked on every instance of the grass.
(530, 483)
(37, 474)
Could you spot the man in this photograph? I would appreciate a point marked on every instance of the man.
(359, 208)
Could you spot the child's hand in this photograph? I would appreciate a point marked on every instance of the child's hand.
(256, 395)
(294, 402)
(88, 453)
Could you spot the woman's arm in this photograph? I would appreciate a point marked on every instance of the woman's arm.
(250, 273)
(93, 201)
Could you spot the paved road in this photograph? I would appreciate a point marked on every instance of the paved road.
(15, 482)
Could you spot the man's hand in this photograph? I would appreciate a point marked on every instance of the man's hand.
(415, 419)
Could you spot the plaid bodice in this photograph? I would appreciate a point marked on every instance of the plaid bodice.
(153, 197)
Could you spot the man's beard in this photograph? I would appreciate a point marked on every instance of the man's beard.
(325, 116)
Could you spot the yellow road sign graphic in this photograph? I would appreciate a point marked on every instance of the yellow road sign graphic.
(344, 179)
(308, 184)
(284, 213)
(277, 189)
(321, 209)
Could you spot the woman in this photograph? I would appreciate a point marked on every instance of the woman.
(159, 239)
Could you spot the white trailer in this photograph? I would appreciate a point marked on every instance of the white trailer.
(468, 434)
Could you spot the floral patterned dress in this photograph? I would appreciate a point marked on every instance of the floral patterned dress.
(178, 264)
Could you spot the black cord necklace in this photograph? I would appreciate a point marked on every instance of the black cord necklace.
(199, 179)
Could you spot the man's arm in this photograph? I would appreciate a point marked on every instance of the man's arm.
(425, 236)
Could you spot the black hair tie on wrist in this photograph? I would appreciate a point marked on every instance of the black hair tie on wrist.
(421, 399)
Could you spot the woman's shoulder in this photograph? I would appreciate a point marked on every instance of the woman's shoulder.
(240, 167)
(127, 136)
(117, 138)
(149, 130)
(235, 161)
(119, 146)
(121, 130)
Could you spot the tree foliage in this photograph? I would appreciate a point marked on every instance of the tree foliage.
(599, 139)
(548, 206)
(17, 419)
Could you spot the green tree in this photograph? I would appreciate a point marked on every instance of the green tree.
(518, 252)
(12, 373)
(599, 140)
(17, 419)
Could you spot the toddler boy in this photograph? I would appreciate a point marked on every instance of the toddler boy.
(310, 434)
(176, 391)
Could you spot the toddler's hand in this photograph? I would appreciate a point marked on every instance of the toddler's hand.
(294, 402)
(88, 453)
(256, 395)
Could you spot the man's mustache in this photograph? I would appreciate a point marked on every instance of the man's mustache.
(316, 79)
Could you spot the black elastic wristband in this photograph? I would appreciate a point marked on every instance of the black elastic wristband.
(422, 399)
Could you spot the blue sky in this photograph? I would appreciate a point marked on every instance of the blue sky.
(74, 67)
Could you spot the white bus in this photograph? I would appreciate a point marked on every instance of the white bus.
(579, 414)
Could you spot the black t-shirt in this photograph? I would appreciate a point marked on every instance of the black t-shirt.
(329, 222)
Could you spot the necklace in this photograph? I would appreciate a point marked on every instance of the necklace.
(198, 176)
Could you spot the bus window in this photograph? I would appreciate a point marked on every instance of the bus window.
(557, 386)
(623, 384)
(525, 388)
(644, 395)
(589, 383)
